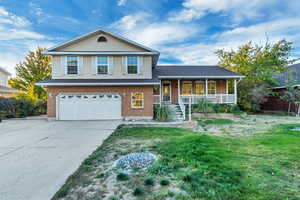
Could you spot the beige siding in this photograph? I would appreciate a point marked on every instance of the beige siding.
(91, 44)
(87, 68)
(3, 79)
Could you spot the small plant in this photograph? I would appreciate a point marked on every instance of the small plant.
(187, 178)
(113, 198)
(122, 177)
(149, 182)
(161, 113)
(164, 182)
(138, 191)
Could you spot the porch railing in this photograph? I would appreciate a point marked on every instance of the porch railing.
(213, 98)
(182, 108)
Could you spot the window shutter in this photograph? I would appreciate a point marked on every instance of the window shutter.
(79, 60)
(94, 64)
(110, 64)
(124, 60)
(140, 64)
(64, 64)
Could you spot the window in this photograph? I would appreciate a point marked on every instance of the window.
(102, 65)
(137, 100)
(199, 87)
(212, 88)
(187, 88)
(132, 64)
(102, 39)
(72, 65)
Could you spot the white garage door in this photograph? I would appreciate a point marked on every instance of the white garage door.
(89, 106)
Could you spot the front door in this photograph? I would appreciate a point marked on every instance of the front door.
(166, 91)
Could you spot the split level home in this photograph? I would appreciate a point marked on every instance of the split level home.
(5, 91)
(102, 75)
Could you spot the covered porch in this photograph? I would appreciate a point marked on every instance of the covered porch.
(191, 91)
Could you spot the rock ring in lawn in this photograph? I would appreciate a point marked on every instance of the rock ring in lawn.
(134, 162)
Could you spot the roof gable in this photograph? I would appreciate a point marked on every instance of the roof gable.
(88, 42)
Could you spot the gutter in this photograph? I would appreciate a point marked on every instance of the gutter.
(94, 84)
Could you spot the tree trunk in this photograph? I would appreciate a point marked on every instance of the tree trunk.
(289, 109)
(298, 112)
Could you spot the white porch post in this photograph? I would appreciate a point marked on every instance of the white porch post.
(160, 93)
(178, 90)
(190, 109)
(206, 87)
(235, 92)
(226, 86)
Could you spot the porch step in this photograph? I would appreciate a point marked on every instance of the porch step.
(176, 113)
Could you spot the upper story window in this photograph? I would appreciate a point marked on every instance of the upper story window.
(212, 87)
(102, 39)
(132, 64)
(102, 65)
(72, 65)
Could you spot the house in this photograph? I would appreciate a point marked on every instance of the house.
(102, 75)
(5, 91)
(275, 103)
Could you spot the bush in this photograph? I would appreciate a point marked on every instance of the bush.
(138, 192)
(203, 106)
(21, 107)
(122, 177)
(149, 182)
(164, 182)
(161, 113)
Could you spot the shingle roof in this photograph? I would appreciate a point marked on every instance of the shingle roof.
(187, 71)
(4, 71)
(283, 77)
(7, 89)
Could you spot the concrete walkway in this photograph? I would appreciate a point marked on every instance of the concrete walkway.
(37, 156)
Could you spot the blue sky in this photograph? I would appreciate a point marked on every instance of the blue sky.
(184, 31)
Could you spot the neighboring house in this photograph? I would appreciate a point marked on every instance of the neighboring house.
(5, 91)
(102, 75)
(275, 103)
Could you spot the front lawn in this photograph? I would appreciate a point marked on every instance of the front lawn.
(192, 166)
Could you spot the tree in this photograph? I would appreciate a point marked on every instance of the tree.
(258, 64)
(292, 93)
(36, 67)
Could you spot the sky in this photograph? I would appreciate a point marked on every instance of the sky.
(184, 31)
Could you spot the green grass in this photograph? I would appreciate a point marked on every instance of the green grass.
(262, 167)
(214, 121)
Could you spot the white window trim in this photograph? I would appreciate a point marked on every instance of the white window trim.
(138, 65)
(202, 82)
(66, 65)
(187, 82)
(108, 65)
(131, 101)
(215, 82)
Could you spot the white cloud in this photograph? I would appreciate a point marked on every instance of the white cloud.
(237, 9)
(11, 19)
(140, 27)
(204, 53)
(121, 2)
(17, 38)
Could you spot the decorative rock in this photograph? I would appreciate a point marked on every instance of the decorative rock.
(135, 161)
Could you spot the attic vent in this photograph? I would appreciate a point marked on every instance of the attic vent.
(102, 39)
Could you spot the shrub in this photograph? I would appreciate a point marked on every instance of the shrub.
(138, 192)
(161, 113)
(203, 106)
(122, 177)
(164, 182)
(149, 182)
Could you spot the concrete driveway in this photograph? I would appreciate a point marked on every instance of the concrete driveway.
(37, 156)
